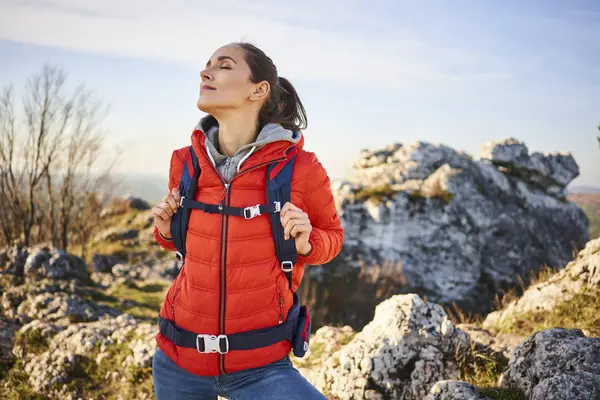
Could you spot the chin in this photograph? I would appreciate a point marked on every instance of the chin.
(202, 106)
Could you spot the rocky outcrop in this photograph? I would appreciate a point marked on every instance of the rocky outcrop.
(503, 343)
(556, 364)
(54, 263)
(553, 170)
(462, 228)
(409, 346)
(104, 262)
(454, 390)
(117, 234)
(579, 274)
(92, 343)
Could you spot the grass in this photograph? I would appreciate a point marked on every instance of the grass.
(482, 367)
(94, 380)
(580, 312)
(14, 384)
(147, 297)
(377, 194)
(32, 341)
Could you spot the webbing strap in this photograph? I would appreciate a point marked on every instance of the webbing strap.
(238, 341)
(245, 212)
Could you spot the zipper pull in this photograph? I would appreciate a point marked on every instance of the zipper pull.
(280, 302)
(225, 192)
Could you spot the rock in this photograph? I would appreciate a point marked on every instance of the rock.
(462, 229)
(401, 354)
(54, 263)
(103, 263)
(553, 169)
(556, 364)
(8, 330)
(50, 368)
(581, 273)
(454, 390)
(116, 234)
(503, 343)
(137, 203)
(12, 298)
(62, 308)
(323, 343)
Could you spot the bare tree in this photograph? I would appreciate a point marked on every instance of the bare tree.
(10, 178)
(59, 144)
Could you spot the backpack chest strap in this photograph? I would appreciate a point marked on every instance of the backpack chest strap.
(245, 212)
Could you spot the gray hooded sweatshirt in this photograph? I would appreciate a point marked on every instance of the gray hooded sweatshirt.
(228, 167)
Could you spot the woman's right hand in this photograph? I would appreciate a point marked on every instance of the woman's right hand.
(164, 210)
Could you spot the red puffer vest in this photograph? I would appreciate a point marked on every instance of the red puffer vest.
(231, 276)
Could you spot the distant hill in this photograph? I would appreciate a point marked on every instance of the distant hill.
(151, 188)
(583, 189)
(590, 204)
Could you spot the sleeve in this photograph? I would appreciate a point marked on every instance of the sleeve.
(327, 233)
(175, 168)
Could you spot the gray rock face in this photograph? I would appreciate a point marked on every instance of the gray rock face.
(454, 390)
(137, 203)
(70, 346)
(401, 354)
(54, 263)
(61, 307)
(581, 273)
(462, 228)
(103, 263)
(116, 234)
(554, 169)
(557, 364)
(503, 343)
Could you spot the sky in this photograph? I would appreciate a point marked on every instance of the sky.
(369, 73)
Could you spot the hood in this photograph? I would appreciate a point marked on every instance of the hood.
(229, 166)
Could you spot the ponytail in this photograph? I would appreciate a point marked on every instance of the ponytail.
(283, 105)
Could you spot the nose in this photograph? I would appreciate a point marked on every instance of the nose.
(205, 76)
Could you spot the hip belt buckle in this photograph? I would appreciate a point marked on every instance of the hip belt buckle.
(212, 343)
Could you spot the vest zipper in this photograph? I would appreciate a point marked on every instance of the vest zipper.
(223, 274)
(223, 269)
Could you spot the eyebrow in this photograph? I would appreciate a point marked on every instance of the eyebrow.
(221, 58)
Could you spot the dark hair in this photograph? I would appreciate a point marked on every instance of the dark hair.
(283, 105)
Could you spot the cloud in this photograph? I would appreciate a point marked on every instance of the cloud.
(332, 42)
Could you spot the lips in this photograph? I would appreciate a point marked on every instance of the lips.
(207, 87)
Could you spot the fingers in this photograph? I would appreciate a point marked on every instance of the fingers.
(172, 202)
(292, 215)
(287, 207)
(300, 228)
(176, 194)
(301, 222)
(162, 210)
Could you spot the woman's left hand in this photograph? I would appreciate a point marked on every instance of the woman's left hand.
(295, 223)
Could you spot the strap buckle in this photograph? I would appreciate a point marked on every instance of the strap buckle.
(179, 256)
(212, 343)
(252, 211)
(181, 201)
(277, 206)
(288, 269)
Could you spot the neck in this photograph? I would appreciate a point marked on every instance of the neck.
(235, 131)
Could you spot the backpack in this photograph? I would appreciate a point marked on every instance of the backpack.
(278, 188)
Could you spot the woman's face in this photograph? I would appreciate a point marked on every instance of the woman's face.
(225, 81)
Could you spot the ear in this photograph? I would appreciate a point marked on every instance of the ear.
(261, 91)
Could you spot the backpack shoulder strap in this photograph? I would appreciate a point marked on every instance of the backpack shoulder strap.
(188, 183)
(279, 189)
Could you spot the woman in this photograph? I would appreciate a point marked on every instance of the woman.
(232, 280)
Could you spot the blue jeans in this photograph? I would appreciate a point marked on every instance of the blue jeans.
(278, 380)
